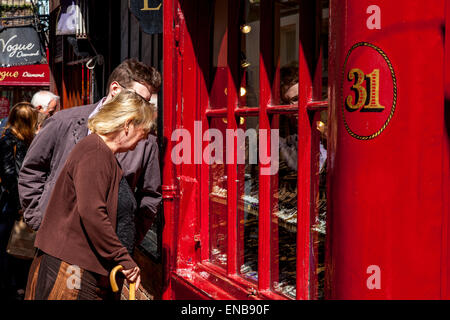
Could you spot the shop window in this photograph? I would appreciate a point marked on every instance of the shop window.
(284, 210)
(267, 231)
(218, 196)
(249, 54)
(248, 199)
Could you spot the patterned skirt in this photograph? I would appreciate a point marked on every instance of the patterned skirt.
(53, 279)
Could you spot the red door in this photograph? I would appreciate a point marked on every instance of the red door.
(388, 151)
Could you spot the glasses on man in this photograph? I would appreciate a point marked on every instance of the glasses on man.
(133, 90)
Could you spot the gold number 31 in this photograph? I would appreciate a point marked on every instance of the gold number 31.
(361, 93)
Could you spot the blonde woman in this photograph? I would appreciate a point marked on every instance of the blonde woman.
(79, 240)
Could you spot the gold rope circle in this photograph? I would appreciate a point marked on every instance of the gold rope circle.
(394, 80)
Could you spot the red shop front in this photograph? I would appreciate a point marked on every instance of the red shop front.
(251, 223)
(20, 83)
(370, 222)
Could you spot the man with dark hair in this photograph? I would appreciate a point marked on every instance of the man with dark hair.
(289, 83)
(59, 134)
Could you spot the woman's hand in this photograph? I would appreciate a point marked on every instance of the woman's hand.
(133, 275)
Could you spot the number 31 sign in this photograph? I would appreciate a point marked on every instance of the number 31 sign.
(369, 91)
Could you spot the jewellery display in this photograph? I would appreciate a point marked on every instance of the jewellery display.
(284, 218)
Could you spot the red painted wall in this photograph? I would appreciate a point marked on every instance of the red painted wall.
(388, 165)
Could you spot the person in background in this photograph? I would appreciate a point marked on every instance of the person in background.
(61, 132)
(88, 223)
(40, 121)
(45, 102)
(289, 83)
(14, 143)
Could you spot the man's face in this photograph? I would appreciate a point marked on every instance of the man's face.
(291, 94)
(145, 91)
(51, 109)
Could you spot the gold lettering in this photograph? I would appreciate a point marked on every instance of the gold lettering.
(8, 74)
(146, 8)
(361, 92)
(374, 102)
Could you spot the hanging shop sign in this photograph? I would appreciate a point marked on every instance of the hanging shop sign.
(71, 18)
(20, 46)
(149, 14)
(30, 75)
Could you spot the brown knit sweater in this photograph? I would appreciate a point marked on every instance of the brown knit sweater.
(79, 226)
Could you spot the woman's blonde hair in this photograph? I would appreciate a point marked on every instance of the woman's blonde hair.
(22, 120)
(126, 105)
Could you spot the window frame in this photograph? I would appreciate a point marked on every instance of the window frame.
(308, 110)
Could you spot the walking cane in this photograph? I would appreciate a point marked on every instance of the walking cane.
(115, 288)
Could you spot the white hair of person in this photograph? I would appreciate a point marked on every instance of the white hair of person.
(43, 99)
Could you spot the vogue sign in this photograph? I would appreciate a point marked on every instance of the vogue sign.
(32, 75)
(20, 46)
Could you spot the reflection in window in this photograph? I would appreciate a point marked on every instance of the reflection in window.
(325, 15)
(218, 186)
(249, 56)
(286, 35)
(248, 198)
(219, 58)
(289, 84)
(284, 208)
(318, 227)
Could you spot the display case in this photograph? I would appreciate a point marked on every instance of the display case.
(249, 219)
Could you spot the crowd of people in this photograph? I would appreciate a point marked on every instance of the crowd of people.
(86, 181)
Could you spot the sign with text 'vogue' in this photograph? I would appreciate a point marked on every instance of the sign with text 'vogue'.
(20, 46)
(28, 75)
(149, 14)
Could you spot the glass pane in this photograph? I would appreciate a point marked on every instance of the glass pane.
(218, 218)
(286, 40)
(318, 222)
(249, 55)
(248, 197)
(284, 208)
(219, 59)
(325, 15)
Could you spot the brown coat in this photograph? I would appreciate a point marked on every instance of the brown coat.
(80, 221)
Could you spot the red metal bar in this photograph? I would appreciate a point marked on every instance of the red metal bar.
(275, 238)
(204, 168)
(315, 153)
(282, 109)
(304, 173)
(245, 111)
(232, 104)
(216, 112)
(168, 181)
(265, 194)
(317, 105)
(445, 287)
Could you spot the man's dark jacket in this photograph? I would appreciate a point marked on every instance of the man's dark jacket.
(50, 149)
